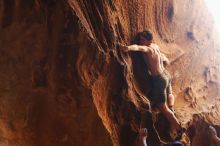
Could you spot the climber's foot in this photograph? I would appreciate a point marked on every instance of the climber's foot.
(180, 133)
(176, 135)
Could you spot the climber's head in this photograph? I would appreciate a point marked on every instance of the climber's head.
(145, 38)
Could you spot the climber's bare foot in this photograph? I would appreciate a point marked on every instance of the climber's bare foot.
(177, 134)
(173, 133)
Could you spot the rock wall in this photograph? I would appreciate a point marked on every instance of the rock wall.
(63, 80)
(43, 100)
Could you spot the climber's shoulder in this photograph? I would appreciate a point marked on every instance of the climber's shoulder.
(154, 46)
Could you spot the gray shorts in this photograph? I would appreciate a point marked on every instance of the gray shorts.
(161, 87)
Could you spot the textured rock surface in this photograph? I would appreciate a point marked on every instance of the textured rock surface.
(43, 100)
(64, 82)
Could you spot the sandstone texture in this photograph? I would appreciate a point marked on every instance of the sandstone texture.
(65, 82)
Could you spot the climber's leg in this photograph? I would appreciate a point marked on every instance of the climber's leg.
(170, 102)
(169, 94)
(170, 116)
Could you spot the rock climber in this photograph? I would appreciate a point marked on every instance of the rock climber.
(161, 94)
(142, 136)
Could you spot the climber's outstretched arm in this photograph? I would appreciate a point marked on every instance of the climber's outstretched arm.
(135, 48)
(165, 59)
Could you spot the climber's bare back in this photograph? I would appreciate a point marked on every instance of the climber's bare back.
(152, 56)
(153, 59)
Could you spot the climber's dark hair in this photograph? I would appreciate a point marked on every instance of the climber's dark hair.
(145, 34)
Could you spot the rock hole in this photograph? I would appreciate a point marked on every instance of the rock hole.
(170, 12)
(190, 35)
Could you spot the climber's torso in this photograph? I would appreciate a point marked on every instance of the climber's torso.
(153, 60)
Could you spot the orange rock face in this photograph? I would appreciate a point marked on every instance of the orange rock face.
(64, 82)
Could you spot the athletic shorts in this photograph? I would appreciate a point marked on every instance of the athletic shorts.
(161, 87)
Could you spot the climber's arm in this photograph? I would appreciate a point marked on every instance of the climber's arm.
(135, 48)
(165, 59)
